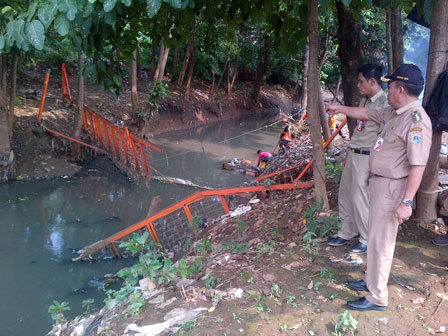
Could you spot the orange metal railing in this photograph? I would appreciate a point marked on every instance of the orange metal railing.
(178, 218)
(111, 139)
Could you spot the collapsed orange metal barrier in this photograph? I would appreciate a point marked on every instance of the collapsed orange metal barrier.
(185, 207)
(109, 134)
(44, 94)
(330, 139)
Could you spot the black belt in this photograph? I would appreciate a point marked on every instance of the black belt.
(360, 151)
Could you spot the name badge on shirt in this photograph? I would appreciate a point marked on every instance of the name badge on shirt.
(378, 144)
(361, 125)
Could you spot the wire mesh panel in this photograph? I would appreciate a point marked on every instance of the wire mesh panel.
(205, 210)
(173, 229)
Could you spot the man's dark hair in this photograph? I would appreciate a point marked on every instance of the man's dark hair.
(372, 71)
(258, 151)
(411, 89)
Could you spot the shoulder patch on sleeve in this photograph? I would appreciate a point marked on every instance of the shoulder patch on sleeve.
(415, 129)
(416, 139)
(416, 116)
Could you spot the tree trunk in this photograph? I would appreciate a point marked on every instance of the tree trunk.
(323, 58)
(261, 68)
(222, 74)
(190, 71)
(185, 64)
(5, 72)
(228, 79)
(153, 60)
(320, 191)
(396, 28)
(139, 67)
(390, 58)
(324, 120)
(175, 64)
(212, 87)
(76, 149)
(134, 88)
(426, 198)
(163, 66)
(304, 100)
(350, 53)
(338, 87)
(235, 73)
(160, 61)
(12, 94)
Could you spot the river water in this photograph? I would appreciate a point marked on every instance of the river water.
(43, 223)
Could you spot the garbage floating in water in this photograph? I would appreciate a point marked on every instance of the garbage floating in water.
(176, 180)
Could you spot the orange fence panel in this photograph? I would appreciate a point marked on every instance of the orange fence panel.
(44, 94)
(114, 139)
(98, 129)
(325, 146)
(124, 147)
(134, 152)
(106, 132)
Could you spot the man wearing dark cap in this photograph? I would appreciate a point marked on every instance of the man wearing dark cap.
(397, 162)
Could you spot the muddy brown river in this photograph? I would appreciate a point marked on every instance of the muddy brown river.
(43, 223)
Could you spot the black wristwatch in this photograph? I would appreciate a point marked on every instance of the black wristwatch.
(407, 202)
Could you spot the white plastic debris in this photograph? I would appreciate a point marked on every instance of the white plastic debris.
(240, 210)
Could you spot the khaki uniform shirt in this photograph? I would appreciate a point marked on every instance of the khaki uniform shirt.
(405, 140)
(366, 132)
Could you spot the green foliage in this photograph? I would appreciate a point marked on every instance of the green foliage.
(88, 306)
(264, 248)
(346, 323)
(326, 274)
(233, 247)
(157, 92)
(196, 267)
(183, 268)
(210, 281)
(319, 222)
(136, 302)
(204, 247)
(241, 225)
(334, 171)
(57, 309)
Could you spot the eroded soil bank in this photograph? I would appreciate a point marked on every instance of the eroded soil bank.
(42, 155)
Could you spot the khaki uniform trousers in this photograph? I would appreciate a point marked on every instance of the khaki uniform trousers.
(354, 197)
(385, 196)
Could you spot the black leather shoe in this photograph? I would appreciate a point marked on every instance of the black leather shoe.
(363, 304)
(358, 285)
(359, 248)
(336, 241)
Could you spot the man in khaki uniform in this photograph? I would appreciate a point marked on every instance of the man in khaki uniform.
(353, 194)
(397, 163)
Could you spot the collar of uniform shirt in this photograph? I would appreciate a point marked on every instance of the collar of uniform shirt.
(408, 106)
(376, 95)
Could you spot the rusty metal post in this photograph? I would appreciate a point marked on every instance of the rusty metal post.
(115, 141)
(142, 152)
(98, 129)
(115, 251)
(44, 93)
(134, 152)
(125, 148)
(92, 126)
(106, 131)
(225, 205)
(188, 214)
